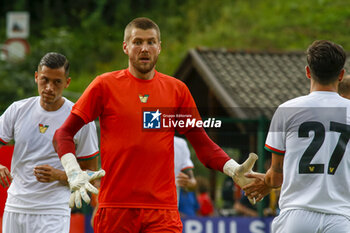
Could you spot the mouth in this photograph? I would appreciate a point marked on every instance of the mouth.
(47, 95)
(144, 59)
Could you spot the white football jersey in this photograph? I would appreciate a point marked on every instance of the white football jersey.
(312, 133)
(32, 128)
(182, 155)
(182, 158)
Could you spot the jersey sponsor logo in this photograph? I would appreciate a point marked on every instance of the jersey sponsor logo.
(151, 119)
(43, 128)
(143, 98)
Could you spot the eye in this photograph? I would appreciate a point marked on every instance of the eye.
(138, 42)
(58, 82)
(44, 80)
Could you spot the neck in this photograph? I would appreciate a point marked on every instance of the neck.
(145, 76)
(51, 106)
(315, 86)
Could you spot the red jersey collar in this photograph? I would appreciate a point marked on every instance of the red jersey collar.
(127, 72)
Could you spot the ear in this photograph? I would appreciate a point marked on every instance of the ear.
(341, 75)
(125, 48)
(36, 76)
(68, 82)
(308, 72)
(159, 47)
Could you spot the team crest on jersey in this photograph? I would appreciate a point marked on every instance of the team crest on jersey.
(43, 128)
(143, 98)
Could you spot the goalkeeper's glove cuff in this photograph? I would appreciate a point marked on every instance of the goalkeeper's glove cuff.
(70, 164)
(230, 167)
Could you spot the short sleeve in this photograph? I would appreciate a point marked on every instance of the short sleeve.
(7, 124)
(86, 142)
(89, 106)
(187, 162)
(276, 138)
(182, 155)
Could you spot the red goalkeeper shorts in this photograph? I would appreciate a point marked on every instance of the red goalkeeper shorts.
(136, 220)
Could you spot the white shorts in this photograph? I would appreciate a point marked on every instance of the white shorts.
(297, 221)
(34, 223)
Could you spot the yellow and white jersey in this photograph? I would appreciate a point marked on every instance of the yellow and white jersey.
(32, 128)
(312, 133)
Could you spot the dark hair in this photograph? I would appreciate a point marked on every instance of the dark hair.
(142, 23)
(326, 60)
(54, 61)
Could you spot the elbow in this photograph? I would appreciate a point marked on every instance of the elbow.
(54, 139)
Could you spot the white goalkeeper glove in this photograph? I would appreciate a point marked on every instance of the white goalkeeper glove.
(236, 171)
(79, 181)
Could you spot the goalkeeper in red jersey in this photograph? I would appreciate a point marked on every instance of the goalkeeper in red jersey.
(138, 192)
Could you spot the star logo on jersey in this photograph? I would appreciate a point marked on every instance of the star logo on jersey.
(151, 119)
(43, 128)
(143, 98)
(312, 168)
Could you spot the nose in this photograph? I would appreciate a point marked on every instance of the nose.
(144, 47)
(49, 86)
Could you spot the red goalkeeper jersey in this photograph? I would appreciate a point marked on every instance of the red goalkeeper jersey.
(137, 128)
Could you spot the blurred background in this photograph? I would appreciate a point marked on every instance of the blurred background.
(240, 59)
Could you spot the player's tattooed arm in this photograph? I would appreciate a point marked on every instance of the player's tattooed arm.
(274, 176)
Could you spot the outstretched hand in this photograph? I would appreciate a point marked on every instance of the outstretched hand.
(246, 167)
(257, 189)
(79, 183)
(237, 172)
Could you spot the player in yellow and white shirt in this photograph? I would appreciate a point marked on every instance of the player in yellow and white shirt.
(39, 194)
(309, 141)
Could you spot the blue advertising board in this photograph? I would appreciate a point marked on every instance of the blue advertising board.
(226, 225)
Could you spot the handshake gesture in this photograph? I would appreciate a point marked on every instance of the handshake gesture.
(238, 172)
(79, 181)
(255, 185)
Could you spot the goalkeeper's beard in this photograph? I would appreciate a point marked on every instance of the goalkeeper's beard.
(144, 68)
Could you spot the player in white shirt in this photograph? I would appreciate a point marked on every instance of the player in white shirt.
(38, 195)
(308, 138)
(183, 166)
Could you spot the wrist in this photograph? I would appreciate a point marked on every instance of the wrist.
(268, 185)
(230, 167)
(70, 164)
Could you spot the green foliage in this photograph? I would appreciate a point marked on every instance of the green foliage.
(90, 32)
(16, 82)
